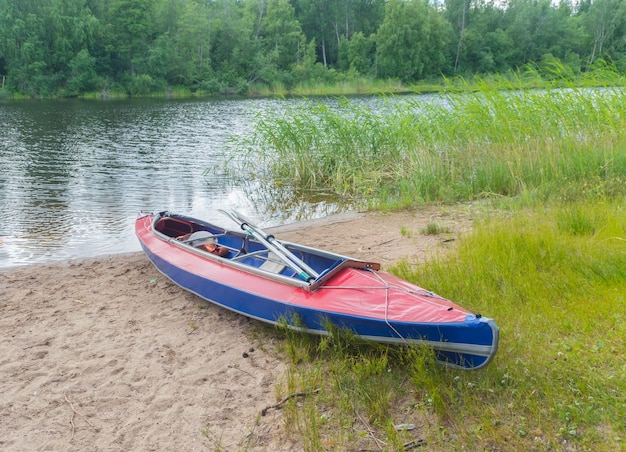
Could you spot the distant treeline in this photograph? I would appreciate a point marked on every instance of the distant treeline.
(137, 47)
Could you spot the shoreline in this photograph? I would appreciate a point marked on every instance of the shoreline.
(107, 351)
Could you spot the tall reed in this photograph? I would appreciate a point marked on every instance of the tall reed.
(552, 143)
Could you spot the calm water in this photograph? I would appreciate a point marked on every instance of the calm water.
(74, 174)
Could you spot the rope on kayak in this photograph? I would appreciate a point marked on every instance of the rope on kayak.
(387, 287)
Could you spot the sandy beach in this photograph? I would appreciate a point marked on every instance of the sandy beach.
(108, 354)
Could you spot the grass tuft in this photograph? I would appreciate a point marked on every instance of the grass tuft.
(434, 229)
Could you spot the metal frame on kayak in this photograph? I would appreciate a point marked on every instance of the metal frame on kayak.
(305, 272)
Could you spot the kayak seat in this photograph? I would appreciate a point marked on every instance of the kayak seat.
(200, 238)
(273, 264)
(206, 241)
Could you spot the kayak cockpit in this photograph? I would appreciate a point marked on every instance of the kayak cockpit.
(249, 250)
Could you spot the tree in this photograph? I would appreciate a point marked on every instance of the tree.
(405, 44)
(232, 48)
(281, 34)
(327, 21)
(131, 21)
(69, 28)
(190, 63)
(483, 46)
(537, 29)
(456, 12)
(23, 48)
(361, 53)
(83, 77)
(315, 18)
(605, 23)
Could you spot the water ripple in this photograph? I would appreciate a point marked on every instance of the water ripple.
(74, 174)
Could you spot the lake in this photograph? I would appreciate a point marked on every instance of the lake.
(74, 174)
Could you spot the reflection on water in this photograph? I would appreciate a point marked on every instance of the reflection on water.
(74, 174)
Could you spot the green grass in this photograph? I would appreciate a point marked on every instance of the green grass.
(557, 290)
(434, 229)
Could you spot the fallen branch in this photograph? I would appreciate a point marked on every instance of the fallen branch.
(280, 404)
(415, 444)
(382, 243)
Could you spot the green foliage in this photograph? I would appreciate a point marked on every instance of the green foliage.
(234, 46)
(360, 53)
(130, 21)
(143, 84)
(83, 77)
(406, 41)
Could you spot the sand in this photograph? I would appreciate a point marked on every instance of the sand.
(108, 354)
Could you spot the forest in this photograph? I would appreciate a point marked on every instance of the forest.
(69, 48)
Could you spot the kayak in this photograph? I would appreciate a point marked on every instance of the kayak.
(253, 273)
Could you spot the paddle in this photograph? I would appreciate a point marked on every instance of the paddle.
(296, 264)
(277, 243)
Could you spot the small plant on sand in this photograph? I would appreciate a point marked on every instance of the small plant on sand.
(406, 232)
(435, 229)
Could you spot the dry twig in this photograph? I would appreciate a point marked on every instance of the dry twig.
(74, 412)
(370, 432)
